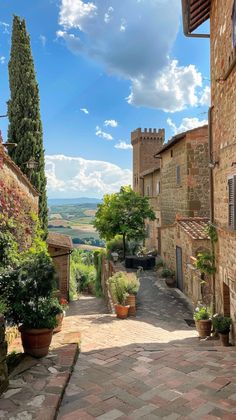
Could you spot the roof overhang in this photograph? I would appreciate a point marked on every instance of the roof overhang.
(195, 12)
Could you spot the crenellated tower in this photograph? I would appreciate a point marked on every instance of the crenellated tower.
(145, 145)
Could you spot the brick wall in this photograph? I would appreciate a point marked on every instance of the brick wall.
(223, 94)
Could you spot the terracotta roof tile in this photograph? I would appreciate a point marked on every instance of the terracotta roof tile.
(59, 240)
(194, 227)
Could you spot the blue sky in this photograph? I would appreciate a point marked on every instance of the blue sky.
(104, 68)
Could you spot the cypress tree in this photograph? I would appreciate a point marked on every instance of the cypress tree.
(25, 126)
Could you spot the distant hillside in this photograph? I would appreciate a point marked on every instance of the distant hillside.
(66, 201)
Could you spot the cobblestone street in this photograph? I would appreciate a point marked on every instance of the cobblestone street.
(148, 367)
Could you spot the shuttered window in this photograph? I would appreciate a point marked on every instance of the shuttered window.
(232, 201)
(178, 180)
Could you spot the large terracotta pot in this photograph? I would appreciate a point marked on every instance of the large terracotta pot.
(203, 327)
(224, 339)
(36, 342)
(131, 302)
(170, 281)
(121, 311)
(59, 319)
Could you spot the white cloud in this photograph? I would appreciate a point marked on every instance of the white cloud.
(43, 40)
(5, 27)
(186, 124)
(102, 134)
(172, 90)
(2, 59)
(75, 177)
(205, 98)
(111, 123)
(126, 49)
(84, 110)
(123, 145)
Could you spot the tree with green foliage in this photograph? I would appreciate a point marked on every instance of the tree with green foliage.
(123, 213)
(25, 126)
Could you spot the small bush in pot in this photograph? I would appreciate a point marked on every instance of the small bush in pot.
(202, 317)
(169, 276)
(28, 290)
(133, 285)
(118, 288)
(222, 325)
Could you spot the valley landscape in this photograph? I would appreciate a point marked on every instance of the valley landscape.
(74, 217)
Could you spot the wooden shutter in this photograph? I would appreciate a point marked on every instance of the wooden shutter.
(232, 199)
(178, 175)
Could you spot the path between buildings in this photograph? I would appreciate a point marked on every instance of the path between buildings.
(148, 367)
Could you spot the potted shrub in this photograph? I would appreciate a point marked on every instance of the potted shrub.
(118, 287)
(169, 277)
(202, 317)
(133, 286)
(221, 325)
(28, 289)
(59, 309)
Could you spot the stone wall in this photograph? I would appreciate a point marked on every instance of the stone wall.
(223, 97)
(3, 355)
(62, 265)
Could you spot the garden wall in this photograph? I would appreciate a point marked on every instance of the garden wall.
(3, 355)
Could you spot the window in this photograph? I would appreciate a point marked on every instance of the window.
(232, 203)
(234, 24)
(178, 179)
(148, 191)
(158, 187)
(171, 153)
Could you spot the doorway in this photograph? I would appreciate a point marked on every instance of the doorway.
(179, 268)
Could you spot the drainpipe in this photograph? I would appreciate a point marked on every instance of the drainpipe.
(211, 201)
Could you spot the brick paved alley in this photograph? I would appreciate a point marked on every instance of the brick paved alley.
(149, 367)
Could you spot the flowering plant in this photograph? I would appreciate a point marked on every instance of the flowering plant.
(202, 312)
(64, 304)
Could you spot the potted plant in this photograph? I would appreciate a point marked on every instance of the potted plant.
(221, 325)
(59, 310)
(169, 277)
(118, 288)
(133, 286)
(28, 289)
(202, 317)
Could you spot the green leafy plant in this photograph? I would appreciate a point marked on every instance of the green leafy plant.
(28, 292)
(202, 312)
(166, 272)
(159, 264)
(221, 323)
(118, 287)
(205, 263)
(3, 306)
(133, 284)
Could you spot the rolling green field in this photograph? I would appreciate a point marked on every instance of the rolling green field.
(75, 220)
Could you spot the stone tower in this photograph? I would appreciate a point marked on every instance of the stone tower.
(145, 145)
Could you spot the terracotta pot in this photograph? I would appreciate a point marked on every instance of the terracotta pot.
(170, 281)
(131, 302)
(224, 339)
(36, 342)
(121, 311)
(203, 327)
(59, 318)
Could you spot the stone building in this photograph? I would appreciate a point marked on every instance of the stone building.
(184, 176)
(222, 137)
(60, 248)
(145, 144)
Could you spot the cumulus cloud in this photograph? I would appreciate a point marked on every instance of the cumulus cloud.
(43, 40)
(4, 27)
(103, 134)
(75, 176)
(111, 123)
(123, 145)
(2, 59)
(205, 98)
(84, 110)
(135, 42)
(186, 124)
